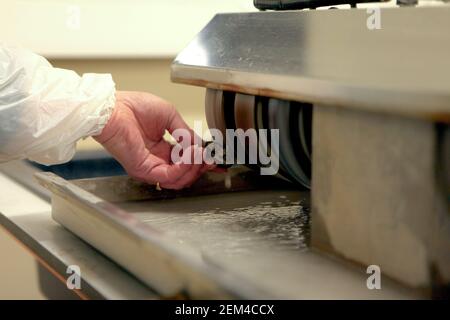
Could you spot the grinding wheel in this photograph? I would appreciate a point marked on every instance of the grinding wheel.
(264, 147)
(214, 110)
(219, 106)
(301, 133)
(280, 118)
(296, 129)
(306, 128)
(244, 118)
(262, 122)
(244, 111)
(272, 111)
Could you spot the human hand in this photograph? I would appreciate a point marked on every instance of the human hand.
(134, 135)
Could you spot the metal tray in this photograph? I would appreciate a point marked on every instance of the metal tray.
(234, 235)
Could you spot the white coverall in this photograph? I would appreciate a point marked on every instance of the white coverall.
(44, 110)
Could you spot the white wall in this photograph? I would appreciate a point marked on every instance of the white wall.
(113, 28)
(108, 28)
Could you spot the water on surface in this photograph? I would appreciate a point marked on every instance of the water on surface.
(261, 237)
(231, 224)
(251, 234)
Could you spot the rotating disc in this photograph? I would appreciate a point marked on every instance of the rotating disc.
(280, 118)
(296, 130)
(244, 117)
(263, 138)
(244, 111)
(219, 106)
(301, 132)
(264, 135)
(272, 111)
(214, 110)
(306, 132)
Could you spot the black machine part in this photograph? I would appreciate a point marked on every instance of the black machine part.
(303, 4)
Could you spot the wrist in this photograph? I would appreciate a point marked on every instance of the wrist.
(106, 119)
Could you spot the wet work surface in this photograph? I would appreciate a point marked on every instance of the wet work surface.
(252, 233)
(262, 236)
(211, 240)
(234, 224)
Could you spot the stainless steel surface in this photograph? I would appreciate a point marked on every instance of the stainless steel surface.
(27, 218)
(328, 56)
(85, 164)
(247, 244)
(90, 208)
(22, 172)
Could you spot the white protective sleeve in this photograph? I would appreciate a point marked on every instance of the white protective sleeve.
(44, 110)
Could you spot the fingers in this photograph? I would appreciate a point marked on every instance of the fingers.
(161, 149)
(177, 122)
(187, 179)
(154, 171)
(190, 176)
(176, 176)
(168, 118)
